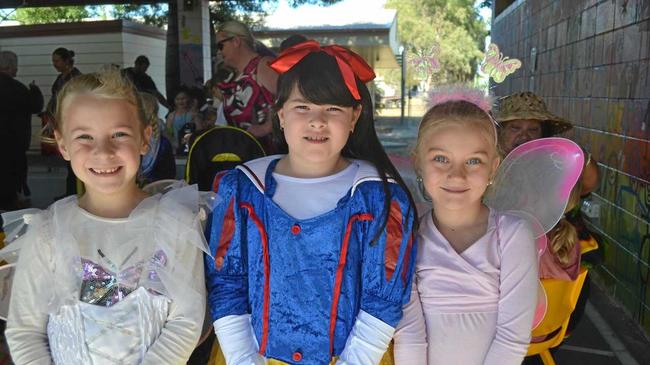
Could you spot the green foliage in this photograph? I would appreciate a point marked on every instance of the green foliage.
(453, 26)
(155, 14)
(60, 14)
(252, 12)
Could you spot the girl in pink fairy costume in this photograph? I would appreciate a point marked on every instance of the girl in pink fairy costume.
(475, 290)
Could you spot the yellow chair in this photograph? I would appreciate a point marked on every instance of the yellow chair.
(562, 297)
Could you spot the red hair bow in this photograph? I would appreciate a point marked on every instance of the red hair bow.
(350, 64)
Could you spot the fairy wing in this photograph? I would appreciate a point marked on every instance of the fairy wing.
(162, 186)
(15, 225)
(6, 278)
(535, 180)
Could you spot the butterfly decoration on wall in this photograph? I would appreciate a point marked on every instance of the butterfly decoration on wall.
(425, 61)
(497, 66)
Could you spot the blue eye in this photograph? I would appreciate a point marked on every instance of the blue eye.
(441, 159)
(120, 134)
(84, 136)
(474, 161)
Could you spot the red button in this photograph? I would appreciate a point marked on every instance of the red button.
(297, 356)
(295, 229)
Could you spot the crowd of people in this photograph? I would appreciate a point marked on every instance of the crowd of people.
(315, 255)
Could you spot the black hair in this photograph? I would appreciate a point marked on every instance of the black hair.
(65, 54)
(197, 94)
(142, 60)
(319, 80)
(292, 40)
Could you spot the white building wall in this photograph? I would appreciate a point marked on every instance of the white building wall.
(92, 52)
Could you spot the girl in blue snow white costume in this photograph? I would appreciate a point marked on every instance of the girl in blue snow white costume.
(313, 250)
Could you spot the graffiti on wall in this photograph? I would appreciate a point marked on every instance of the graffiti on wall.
(624, 195)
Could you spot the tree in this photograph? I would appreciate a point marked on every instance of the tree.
(160, 15)
(451, 31)
(60, 14)
(155, 14)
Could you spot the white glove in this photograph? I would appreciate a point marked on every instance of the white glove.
(367, 342)
(237, 340)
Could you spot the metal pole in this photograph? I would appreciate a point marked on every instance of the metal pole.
(403, 84)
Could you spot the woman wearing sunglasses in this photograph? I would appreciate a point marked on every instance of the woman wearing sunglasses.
(249, 97)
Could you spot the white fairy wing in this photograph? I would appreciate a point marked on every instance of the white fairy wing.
(162, 186)
(206, 200)
(15, 225)
(535, 180)
(6, 278)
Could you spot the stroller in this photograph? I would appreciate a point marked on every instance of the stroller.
(218, 149)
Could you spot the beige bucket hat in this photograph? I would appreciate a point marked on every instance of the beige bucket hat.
(526, 105)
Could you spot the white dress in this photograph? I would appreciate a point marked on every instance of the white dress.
(475, 307)
(92, 290)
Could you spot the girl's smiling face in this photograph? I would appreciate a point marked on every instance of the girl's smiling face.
(456, 164)
(103, 139)
(182, 101)
(315, 133)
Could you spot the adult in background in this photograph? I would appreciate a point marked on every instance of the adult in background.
(17, 104)
(63, 62)
(249, 97)
(524, 117)
(142, 81)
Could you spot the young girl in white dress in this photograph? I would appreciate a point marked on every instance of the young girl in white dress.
(116, 275)
(474, 292)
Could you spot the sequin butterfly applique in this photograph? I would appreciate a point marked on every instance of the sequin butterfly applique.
(101, 286)
(496, 66)
(105, 287)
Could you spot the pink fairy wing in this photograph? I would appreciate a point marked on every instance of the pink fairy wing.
(535, 179)
(542, 305)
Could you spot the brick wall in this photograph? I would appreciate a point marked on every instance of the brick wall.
(592, 66)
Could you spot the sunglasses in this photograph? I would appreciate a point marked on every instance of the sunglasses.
(221, 42)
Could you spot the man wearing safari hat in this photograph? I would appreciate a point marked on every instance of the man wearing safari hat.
(524, 117)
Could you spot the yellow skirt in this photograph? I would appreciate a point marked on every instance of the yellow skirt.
(216, 357)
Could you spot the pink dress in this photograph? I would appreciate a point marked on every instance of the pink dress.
(550, 266)
(475, 307)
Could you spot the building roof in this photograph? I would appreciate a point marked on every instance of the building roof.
(371, 33)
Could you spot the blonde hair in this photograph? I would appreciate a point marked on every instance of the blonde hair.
(238, 29)
(108, 83)
(150, 106)
(459, 112)
(564, 236)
